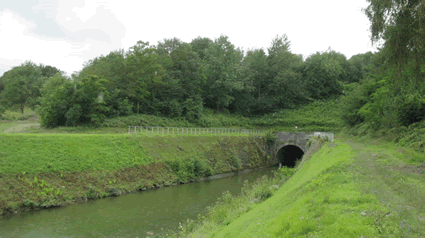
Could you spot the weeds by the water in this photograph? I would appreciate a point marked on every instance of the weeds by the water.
(53, 170)
(228, 208)
(342, 191)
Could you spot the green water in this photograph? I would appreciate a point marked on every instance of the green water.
(131, 215)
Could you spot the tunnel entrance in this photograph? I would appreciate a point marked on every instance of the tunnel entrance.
(288, 155)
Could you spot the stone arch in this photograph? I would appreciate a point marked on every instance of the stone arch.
(289, 154)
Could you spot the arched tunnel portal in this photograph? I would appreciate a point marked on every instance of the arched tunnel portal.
(288, 155)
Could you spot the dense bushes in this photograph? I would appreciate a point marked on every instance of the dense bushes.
(70, 103)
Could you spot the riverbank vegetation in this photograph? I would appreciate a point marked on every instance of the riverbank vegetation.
(44, 170)
(349, 188)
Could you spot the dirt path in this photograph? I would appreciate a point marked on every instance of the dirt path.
(397, 183)
(20, 127)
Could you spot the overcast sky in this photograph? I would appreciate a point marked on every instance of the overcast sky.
(65, 34)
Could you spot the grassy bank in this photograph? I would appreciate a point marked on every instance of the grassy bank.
(43, 170)
(350, 188)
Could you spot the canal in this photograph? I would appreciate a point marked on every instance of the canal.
(131, 215)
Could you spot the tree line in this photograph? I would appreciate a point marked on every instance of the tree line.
(393, 95)
(178, 79)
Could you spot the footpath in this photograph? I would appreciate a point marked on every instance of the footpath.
(350, 188)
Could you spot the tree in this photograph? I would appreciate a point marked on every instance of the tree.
(401, 25)
(188, 69)
(286, 86)
(143, 68)
(87, 105)
(256, 70)
(55, 99)
(322, 72)
(279, 44)
(223, 71)
(68, 103)
(167, 46)
(113, 68)
(49, 71)
(200, 44)
(22, 86)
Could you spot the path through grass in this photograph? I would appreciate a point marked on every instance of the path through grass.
(350, 188)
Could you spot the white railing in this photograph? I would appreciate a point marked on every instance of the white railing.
(189, 130)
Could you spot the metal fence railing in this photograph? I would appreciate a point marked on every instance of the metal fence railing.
(189, 130)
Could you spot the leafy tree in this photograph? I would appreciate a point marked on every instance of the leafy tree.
(200, 44)
(256, 70)
(168, 45)
(143, 68)
(279, 44)
(286, 86)
(55, 100)
(401, 25)
(322, 72)
(87, 105)
(49, 71)
(1, 85)
(113, 68)
(181, 89)
(69, 103)
(22, 86)
(360, 66)
(223, 72)
(188, 69)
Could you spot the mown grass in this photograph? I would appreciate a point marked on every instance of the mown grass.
(347, 189)
(33, 153)
(45, 153)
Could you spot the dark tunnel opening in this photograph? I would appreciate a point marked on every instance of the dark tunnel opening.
(289, 155)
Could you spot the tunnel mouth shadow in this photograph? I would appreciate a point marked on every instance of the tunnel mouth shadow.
(289, 155)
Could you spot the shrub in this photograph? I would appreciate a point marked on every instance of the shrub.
(411, 110)
(2, 110)
(201, 167)
(125, 107)
(73, 115)
(271, 137)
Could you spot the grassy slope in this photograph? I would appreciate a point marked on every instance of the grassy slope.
(33, 153)
(45, 153)
(327, 195)
(57, 169)
(317, 116)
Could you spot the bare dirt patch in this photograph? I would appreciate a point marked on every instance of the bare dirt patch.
(21, 127)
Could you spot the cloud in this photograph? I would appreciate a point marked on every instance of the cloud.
(18, 44)
(65, 34)
(81, 34)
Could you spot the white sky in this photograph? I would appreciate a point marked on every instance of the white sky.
(65, 34)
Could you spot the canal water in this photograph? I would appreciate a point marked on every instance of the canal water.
(131, 215)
